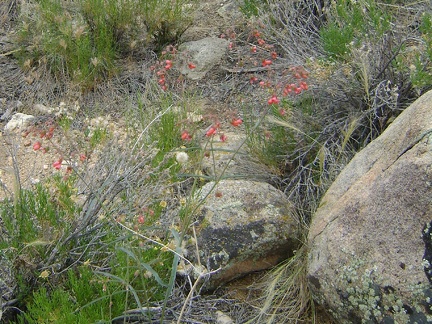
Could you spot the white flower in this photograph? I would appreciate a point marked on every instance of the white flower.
(182, 157)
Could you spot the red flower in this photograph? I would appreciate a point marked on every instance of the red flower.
(185, 136)
(37, 146)
(273, 100)
(266, 62)
(256, 34)
(223, 137)
(168, 64)
(191, 66)
(49, 135)
(57, 164)
(141, 219)
(82, 157)
(236, 122)
(217, 125)
(274, 55)
(260, 41)
(211, 131)
(303, 85)
(253, 79)
(253, 49)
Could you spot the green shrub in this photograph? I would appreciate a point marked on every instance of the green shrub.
(53, 287)
(37, 217)
(81, 40)
(85, 296)
(271, 142)
(336, 39)
(166, 20)
(421, 75)
(250, 8)
(353, 22)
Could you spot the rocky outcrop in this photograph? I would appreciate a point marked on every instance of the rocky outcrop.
(370, 238)
(243, 227)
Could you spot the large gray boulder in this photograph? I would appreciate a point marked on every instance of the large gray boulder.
(244, 226)
(370, 244)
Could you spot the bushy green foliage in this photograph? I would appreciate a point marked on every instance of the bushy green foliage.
(421, 75)
(37, 217)
(138, 273)
(352, 22)
(272, 142)
(82, 40)
(250, 8)
(85, 296)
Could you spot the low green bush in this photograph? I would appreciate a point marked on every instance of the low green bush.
(421, 74)
(82, 40)
(352, 23)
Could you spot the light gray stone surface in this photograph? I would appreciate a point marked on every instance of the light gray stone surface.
(18, 121)
(205, 53)
(366, 260)
(244, 226)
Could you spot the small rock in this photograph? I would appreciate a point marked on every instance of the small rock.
(205, 54)
(44, 109)
(18, 121)
(222, 318)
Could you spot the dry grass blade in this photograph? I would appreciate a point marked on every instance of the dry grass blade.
(294, 26)
(286, 298)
